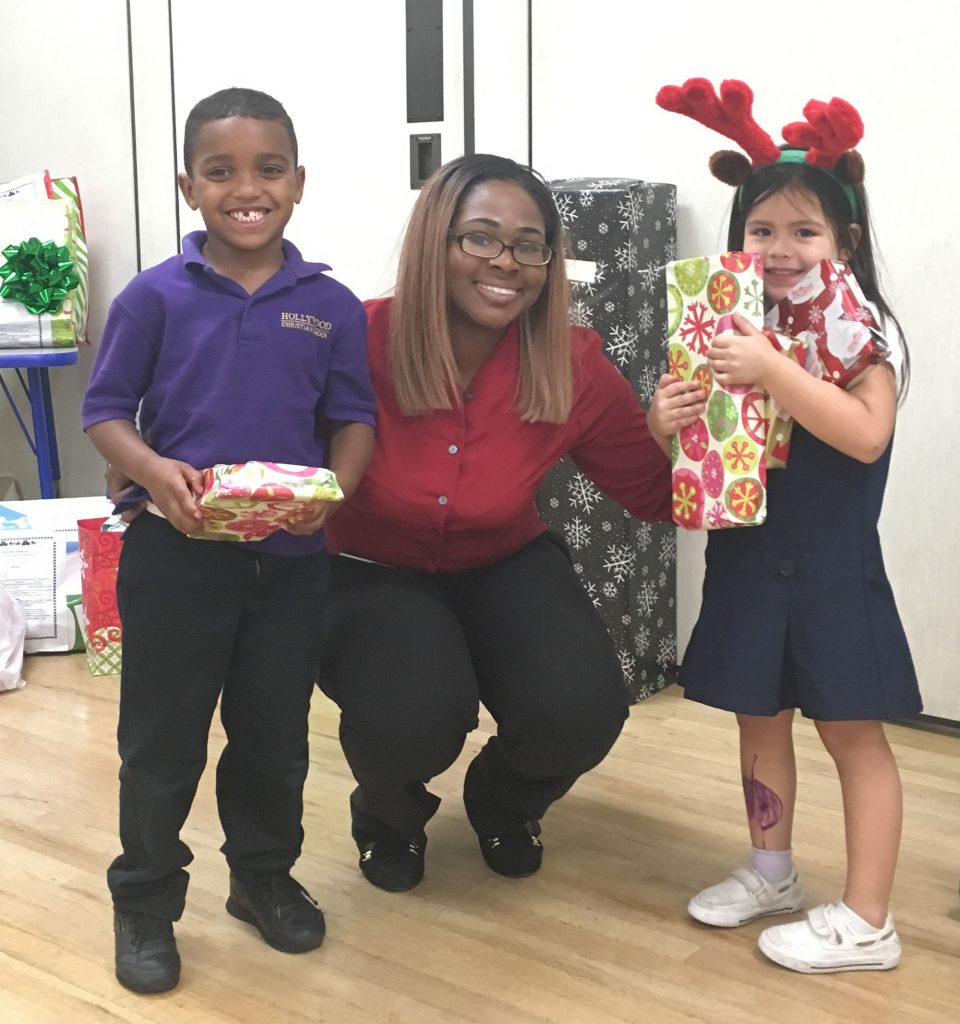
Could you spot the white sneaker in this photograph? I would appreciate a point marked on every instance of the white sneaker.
(825, 942)
(745, 896)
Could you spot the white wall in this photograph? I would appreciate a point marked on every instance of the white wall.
(597, 69)
(339, 69)
(501, 109)
(64, 105)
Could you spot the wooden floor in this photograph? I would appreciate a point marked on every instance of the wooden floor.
(599, 935)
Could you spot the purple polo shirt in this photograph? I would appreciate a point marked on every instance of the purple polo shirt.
(222, 376)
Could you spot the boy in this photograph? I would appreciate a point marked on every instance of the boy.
(236, 350)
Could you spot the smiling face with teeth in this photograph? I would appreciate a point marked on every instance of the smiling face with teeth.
(485, 296)
(790, 230)
(245, 183)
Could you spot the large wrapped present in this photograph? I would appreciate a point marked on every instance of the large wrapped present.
(252, 500)
(828, 313)
(43, 263)
(719, 462)
(621, 231)
(100, 543)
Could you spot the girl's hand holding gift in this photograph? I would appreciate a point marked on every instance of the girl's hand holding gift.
(741, 357)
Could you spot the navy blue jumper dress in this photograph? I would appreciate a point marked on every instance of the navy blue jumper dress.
(798, 612)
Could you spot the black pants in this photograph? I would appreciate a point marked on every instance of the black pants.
(201, 619)
(408, 656)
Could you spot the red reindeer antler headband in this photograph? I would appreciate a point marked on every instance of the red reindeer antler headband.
(824, 140)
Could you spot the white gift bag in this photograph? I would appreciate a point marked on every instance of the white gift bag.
(13, 630)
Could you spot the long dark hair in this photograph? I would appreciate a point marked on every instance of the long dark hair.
(769, 179)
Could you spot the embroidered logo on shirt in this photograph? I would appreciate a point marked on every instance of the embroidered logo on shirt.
(306, 322)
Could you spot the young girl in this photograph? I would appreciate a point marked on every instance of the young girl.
(798, 612)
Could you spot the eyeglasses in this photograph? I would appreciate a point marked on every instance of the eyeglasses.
(476, 243)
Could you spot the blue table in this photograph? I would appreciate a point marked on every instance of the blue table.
(43, 444)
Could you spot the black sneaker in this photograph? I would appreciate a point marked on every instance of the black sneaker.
(279, 907)
(145, 952)
(513, 853)
(388, 860)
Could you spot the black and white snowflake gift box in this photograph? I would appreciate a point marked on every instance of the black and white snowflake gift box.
(621, 232)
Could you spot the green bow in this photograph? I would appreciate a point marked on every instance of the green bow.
(38, 275)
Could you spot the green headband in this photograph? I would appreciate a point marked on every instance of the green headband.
(799, 156)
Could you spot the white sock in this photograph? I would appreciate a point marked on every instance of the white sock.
(855, 922)
(774, 865)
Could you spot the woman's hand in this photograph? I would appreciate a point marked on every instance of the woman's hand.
(676, 404)
(743, 357)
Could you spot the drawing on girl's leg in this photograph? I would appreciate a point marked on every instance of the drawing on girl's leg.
(764, 807)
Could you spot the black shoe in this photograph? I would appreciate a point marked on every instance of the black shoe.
(389, 861)
(145, 952)
(513, 853)
(284, 913)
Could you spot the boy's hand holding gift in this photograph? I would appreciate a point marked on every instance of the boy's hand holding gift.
(174, 488)
(252, 500)
(304, 522)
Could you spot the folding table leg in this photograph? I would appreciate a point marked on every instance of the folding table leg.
(44, 435)
(51, 431)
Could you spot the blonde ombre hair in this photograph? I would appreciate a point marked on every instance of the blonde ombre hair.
(421, 354)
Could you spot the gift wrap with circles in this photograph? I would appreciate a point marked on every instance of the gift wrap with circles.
(719, 464)
(251, 500)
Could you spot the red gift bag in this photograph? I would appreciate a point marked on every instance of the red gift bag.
(100, 619)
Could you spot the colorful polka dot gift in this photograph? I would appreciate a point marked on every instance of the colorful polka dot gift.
(720, 462)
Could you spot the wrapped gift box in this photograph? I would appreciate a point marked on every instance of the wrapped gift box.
(250, 501)
(828, 313)
(44, 210)
(621, 232)
(719, 462)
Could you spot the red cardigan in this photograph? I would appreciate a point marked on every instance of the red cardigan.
(455, 489)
